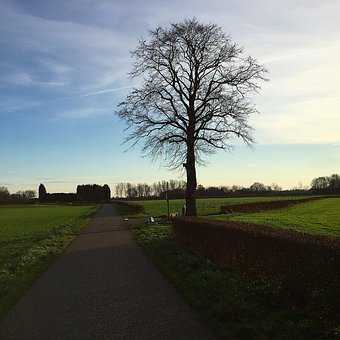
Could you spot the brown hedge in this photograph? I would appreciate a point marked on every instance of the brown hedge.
(262, 206)
(307, 264)
(128, 207)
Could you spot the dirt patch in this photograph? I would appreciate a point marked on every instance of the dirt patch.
(262, 206)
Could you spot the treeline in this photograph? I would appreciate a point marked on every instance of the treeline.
(172, 188)
(143, 190)
(176, 189)
(93, 192)
(85, 193)
(234, 190)
(19, 196)
(326, 184)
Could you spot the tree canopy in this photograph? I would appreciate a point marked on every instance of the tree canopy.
(194, 95)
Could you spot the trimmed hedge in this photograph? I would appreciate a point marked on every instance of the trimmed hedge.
(307, 265)
(262, 206)
(128, 208)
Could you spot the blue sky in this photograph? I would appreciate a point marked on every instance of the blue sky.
(63, 69)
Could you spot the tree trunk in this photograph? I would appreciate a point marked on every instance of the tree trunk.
(190, 193)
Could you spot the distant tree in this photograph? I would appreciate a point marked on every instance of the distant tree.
(258, 187)
(235, 188)
(275, 187)
(200, 189)
(194, 96)
(225, 189)
(4, 194)
(320, 184)
(106, 192)
(140, 190)
(42, 192)
(30, 194)
(117, 190)
(147, 190)
(25, 195)
(120, 190)
(129, 190)
(93, 192)
(334, 183)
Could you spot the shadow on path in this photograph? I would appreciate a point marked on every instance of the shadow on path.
(102, 287)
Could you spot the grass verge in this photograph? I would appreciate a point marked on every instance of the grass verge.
(234, 306)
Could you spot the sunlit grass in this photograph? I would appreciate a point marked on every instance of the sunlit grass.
(316, 217)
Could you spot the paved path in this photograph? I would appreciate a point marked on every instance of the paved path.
(103, 287)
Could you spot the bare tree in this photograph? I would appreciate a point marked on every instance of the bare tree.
(193, 98)
(258, 187)
(28, 194)
(275, 187)
(140, 189)
(4, 194)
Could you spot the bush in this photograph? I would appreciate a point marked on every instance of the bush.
(306, 266)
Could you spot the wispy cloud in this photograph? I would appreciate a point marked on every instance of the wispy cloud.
(81, 113)
(71, 54)
(21, 79)
(104, 91)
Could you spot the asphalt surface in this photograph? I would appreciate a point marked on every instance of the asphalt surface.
(102, 287)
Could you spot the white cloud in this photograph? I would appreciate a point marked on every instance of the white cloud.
(83, 50)
(301, 103)
(86, 57)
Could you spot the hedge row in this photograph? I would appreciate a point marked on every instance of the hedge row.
(262, 206)
(127, 208)
(308, 265)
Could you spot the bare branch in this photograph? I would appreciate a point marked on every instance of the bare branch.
(196, 92)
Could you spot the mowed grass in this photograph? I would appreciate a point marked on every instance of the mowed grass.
(205, 206)
(30, 237)
(320, 217)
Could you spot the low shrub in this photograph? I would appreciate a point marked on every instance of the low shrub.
(306, 266)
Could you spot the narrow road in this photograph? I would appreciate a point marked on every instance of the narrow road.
(102, 287)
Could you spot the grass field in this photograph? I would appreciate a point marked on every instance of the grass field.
(30, 237)
(316, 217)
(205, 206)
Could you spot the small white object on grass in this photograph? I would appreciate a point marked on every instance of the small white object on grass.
(150, 220)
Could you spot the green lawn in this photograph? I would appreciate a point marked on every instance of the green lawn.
(206, 206)
(236, 307)
(315, 217)
(30, 237)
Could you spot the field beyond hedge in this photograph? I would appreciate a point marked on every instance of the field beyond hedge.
(315, 217)
(30, 237)
(205, 206)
